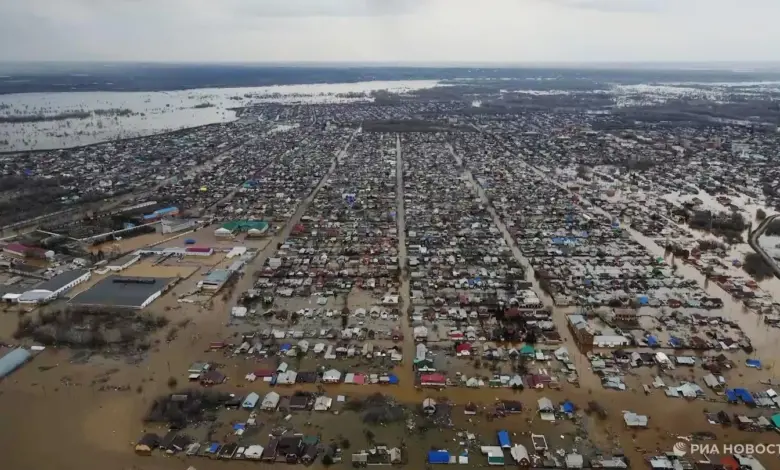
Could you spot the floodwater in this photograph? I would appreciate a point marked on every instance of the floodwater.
(156, 112)
(59, 421)
(766, 341)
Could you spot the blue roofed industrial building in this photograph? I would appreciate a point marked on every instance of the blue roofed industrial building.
(13, 360)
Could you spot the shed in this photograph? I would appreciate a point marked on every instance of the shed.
(254, 452)
(574, 461)
(323, 403)
(438, 457)
(13, 360)
(250, 402)
(545, 405)
(494, 454)
(503, 440)
(634, 420)
(754, 363)
(429, 406)
(776, 420)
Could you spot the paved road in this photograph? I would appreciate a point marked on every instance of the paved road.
(409, 347)
(753, 242)
(246, 282)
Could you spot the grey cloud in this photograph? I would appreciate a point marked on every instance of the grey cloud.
(504, 31)
(615, 5)
(321, 8)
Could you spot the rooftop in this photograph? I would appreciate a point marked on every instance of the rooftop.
(120, 291)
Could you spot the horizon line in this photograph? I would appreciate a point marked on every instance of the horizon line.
(701, 65)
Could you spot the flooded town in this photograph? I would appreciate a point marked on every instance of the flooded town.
(472, 273)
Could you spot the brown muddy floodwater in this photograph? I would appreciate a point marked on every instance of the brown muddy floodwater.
(55, 418)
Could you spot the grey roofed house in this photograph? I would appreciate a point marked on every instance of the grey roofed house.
(545, 404)
(270, 401)
(121, 291)
(574, 461)
(634, 420)
(711, 381)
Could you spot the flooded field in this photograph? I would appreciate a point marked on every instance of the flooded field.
(122, 115)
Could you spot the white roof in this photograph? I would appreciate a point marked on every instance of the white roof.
(545, 404)
(519, 452)
(270, 400)
(253, 452)
(633, 419)
(332, 374)
(323, 403)
(35, 295)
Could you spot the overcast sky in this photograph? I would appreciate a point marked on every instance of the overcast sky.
(505, 31)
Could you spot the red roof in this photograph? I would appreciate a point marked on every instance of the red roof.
(198, 249)
(263, 373)
(729, 462)
(512, 312)
(433, 378)
(463, 347)
(360, 379)
(16, 248)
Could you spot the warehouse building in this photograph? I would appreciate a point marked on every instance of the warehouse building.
(124, 292)
(177, 225)
(54, 287)
(215, 279)
(253, 228)
(124, 262)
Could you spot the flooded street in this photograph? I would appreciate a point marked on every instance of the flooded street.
(765, 340)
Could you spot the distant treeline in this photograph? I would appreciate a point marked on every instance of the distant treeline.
(44, 78)
(41, 117)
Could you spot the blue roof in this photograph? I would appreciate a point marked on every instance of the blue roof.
(213, 447)
(731, 395)
(238, 426)
(392, 379)
(675, 341)
(744, 395)
(166, 210)
(753, 363)
(643, 299)
(503, 439)
(218, 276)
(11, 361)
(568, 407)
(285, 347)
(438, 456)
(652, 340)
(251, 400)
